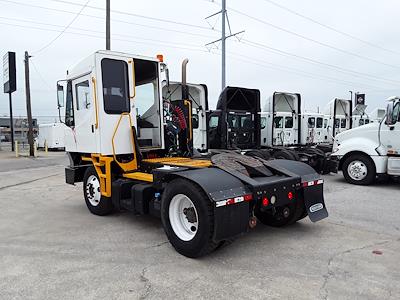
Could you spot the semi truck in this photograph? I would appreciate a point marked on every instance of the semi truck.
(371, 150)
(133, 150)
(292, 135)
(339, 113)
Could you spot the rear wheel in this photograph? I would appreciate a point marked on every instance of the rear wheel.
(96, 203)
(188, 218)
(285, 154)
(359, 169)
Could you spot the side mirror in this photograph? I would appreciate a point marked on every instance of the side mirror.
(60, 95)
(389, 114)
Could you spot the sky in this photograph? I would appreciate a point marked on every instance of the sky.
(321, 49)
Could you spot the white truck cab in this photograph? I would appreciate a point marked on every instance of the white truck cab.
(314, 128)
(338, 112)
(372, 149)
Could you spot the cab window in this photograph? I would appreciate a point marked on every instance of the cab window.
(289, 122)
(82, 93)
(320, 122)
(361, 122)
(337, 123)
(278, 122)
(311, 122)
(396, 112)
(115, 86)
(195, 121)
(263, 122)
(366, 121)
(213, 123)
(343, 123)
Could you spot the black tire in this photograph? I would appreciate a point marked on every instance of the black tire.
(104, 206)
(277, 219)
(364, 161)
(285, 154)
(202, 243)
(266, 154)
(255, 153)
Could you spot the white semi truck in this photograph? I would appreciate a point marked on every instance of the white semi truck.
(339, 112)
(371, 150)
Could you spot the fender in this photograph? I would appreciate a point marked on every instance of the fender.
(359, 144)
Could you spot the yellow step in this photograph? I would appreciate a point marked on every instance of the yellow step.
(139, 176)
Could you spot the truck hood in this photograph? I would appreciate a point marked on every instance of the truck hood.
(368, 131)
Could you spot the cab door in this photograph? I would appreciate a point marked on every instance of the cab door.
(390, 134)
(215, 138)
(84, 113)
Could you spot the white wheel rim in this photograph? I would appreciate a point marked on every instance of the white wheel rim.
(357, 170)
(93, 193)
(183, 217)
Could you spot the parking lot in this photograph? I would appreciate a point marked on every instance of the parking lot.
(51, 247)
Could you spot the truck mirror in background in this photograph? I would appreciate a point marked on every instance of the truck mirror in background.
(60, 95)
(389, 114)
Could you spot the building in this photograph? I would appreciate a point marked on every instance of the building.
(20, 129)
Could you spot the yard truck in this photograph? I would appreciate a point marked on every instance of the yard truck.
(133, 150)
(371, 150)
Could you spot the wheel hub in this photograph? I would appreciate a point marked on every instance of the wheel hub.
(183, 217)
(93, 193)
(190, 214)
(357, 170)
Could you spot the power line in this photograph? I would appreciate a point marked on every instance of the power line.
(114, 20)
(114, 11)
(40, 75)
(313, 61)
(267, 64)
(83, 29)
(138, 40)
(330, 27)
(134, 15)
(61, 33)
(190, 49)
(312, 40)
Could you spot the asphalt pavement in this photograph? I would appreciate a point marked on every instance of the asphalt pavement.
(51, 247)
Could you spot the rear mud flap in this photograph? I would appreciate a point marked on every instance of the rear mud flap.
(314, 202)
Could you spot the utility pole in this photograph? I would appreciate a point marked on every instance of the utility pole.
(108, 33)
(223, 39)
(28, 105)
(11, 123)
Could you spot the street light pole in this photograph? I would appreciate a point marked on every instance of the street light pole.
(108, 31)
(223, 40)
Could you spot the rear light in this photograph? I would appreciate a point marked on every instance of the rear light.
(230, 201)
(248, 197)
(265, 201)
(290, 195)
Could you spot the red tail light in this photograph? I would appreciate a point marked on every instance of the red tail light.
(290, 195)
(265, 201)
(230, 201)
(248, 197)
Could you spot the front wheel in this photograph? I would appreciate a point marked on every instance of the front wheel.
(359, 169)
(96, 203)
(188, 218)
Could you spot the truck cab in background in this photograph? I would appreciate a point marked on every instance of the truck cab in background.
(198, 94)
(359, 116)
(339, 113)
(370, 150)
